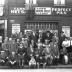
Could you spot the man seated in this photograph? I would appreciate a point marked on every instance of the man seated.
(12, 60)
(2, 58)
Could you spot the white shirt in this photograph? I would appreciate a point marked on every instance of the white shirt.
(66, 43)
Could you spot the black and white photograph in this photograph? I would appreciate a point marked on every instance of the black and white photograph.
(36, 34)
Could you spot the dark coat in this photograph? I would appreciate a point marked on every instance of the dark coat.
(36, 36)
(13, 46)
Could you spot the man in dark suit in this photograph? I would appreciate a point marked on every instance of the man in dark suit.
(61, 39)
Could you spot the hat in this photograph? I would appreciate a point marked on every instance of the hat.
(48, 31)
(62, 32)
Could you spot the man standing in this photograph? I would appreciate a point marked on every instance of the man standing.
(49, 36)
(62, 38)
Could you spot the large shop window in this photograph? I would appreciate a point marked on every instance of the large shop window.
(59, 2)
(41, 26)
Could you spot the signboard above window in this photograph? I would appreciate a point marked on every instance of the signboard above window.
(43, 10)
(17, 10)
(59, 2)
(51, 10)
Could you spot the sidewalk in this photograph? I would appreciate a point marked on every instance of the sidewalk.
(47, 67)
(59, 66)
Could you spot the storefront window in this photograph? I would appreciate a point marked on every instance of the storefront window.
(30, 1)
(27, 1)
(59, 2)
(1, 11)
(41, 26)
(2, 2)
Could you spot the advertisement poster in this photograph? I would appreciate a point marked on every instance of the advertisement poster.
(15, 28)
(0, 39)
(66, 30)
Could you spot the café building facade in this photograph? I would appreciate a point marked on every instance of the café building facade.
(44, 15)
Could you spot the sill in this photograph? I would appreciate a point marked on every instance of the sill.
(59, 5)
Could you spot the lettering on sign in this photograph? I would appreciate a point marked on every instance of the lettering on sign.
(43, 10)
(17, 10)
(50, 10)
(61, 10)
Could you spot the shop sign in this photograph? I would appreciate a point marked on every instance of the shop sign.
(50, 10)
(61, 10)
(17, 10)
(15, 28)
(43, 10)
(66, 30)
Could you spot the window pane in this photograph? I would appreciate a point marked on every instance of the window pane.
(59, 2)
(62, 1)
(34, 1)
(27, 1)
(55, 1)
(2, 2)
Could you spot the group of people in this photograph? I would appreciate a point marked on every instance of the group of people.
(41, 49)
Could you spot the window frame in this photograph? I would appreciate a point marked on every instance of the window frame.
(32, 1)
(61, 4)
(2, 3)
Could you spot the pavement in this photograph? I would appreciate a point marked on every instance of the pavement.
(47, 67)
(37, 70)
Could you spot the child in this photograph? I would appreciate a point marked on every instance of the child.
(47, 52)
(32, 62)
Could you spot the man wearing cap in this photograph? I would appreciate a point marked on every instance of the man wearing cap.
(62, 38)
(49, 36)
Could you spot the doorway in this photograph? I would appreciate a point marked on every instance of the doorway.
(2, 31)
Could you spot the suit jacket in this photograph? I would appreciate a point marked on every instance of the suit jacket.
(13, 46)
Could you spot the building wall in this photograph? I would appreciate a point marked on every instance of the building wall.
(40, 2)
(62, 20)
